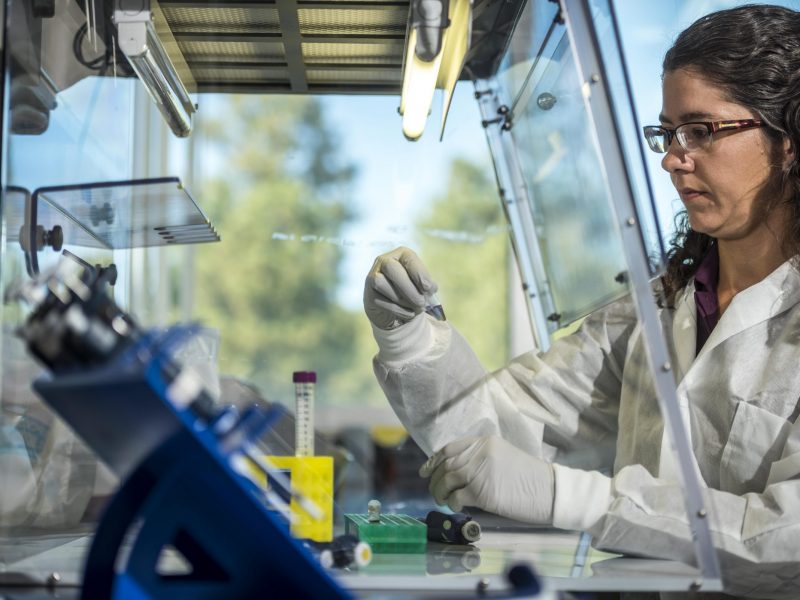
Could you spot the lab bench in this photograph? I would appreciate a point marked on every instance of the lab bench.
(35, 566)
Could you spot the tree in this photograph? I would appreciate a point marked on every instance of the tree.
(280, 204)
(465, 245)
(269, 286)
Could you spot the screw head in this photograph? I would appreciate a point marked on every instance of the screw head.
(546, 101)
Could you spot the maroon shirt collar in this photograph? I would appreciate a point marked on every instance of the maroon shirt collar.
(705, 296)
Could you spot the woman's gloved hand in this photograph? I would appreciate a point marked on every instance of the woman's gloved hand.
(395, 287)
(492, 474)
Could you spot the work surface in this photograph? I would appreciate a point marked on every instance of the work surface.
(564, 560)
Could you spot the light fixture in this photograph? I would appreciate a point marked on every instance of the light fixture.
(145, 52)
(438, 41)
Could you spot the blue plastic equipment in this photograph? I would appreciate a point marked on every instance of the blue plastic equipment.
(185, 465)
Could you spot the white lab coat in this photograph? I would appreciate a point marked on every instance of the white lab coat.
(589, 403)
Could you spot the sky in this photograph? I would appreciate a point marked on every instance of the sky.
(397, 178)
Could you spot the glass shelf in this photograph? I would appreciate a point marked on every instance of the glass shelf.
(109, 215)
(123, 214)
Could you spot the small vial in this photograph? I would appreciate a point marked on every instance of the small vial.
(374, 511)
(305, 383)
(346, 551)
(433, 306)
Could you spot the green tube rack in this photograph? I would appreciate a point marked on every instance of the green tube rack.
(393, 534)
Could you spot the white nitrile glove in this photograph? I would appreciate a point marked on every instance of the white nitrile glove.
(395, 287)
(492, 474)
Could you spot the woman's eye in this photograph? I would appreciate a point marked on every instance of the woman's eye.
(698, 133)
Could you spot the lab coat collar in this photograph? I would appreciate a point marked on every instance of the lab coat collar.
(777, 292)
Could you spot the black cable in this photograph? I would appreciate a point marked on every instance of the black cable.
(103, 62)
(77, 48)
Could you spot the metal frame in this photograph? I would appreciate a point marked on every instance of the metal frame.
(292, 44)
(599, 107)
(4, 85)
(516, 204)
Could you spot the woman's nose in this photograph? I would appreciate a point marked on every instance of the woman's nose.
(676, 159)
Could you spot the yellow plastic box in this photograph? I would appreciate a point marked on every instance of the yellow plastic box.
(311, 476)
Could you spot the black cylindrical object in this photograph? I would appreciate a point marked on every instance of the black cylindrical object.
(456, 528)
(345, 551)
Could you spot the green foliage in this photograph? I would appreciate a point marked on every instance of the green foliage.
(279, 204)
(269, 286)
(466, 249)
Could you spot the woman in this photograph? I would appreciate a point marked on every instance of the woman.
(533, 440)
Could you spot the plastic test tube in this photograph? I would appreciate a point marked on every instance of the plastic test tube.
(433, 306)
(305, 383)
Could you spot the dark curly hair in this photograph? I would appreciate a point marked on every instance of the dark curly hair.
(753, 53)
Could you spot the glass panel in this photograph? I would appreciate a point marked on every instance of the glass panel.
(651, 215)
(579, 177)
(533, 31)
(304, 198)
(661, 345)
(321, 214)
(306, 191)
(64, 125)
(70, 102)
(716, 410)
(576, 230)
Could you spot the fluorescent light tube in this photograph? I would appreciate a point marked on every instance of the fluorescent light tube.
(146, 54)
(421, 78)
(419, 82)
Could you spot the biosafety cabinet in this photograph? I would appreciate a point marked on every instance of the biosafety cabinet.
(201, 159)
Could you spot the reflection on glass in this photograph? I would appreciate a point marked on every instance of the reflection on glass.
(534, 29)
(642, 181)
(68, 120)
(576, 229)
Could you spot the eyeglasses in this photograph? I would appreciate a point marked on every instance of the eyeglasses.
(692, 136)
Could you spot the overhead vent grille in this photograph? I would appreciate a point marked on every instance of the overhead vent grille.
(316, 46)
(331, 46)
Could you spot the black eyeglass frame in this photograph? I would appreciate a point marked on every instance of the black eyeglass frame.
(713, 127)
